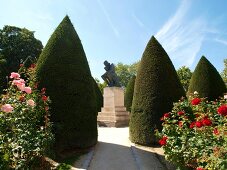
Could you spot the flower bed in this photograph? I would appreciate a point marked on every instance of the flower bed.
(25, 129)
(194, 134)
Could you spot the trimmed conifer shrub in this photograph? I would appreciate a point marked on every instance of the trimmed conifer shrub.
(63, 69)
(98, 96)
(156, 88)
(206, 81)
(129, 93)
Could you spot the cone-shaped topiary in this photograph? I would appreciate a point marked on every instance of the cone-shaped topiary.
(63, 69)
(206, 81)
(156, 88)
(129, 93)
(98, 96)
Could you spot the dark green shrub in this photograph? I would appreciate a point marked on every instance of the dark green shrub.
(206, 81)
(98, 96)
(63, 69)
(129, 93)
(156, 88)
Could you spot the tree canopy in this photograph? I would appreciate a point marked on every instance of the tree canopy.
(206, 81)
(224, 72)
(63, 69)
(126, 71)
(184, 74)
(156, 88)
(129, 93)
(16, 45)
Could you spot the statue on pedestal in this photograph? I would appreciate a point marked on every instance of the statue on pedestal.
(110, 77)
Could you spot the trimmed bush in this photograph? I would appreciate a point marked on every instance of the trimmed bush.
(63, 69)
(129, 93)
(156, 88)
(206, 81)
(98, 96)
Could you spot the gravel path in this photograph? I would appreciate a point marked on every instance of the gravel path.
(114, 151)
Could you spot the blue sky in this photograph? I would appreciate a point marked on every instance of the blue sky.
(118, 30)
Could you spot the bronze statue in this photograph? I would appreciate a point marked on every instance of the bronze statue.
(110, 77)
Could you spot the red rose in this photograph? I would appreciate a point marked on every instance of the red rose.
(44, 98)
(180, 113)
(199, 168)
(216, 132)
(222, 110)
(163, 140)
(206, 122)
(164, 137)
(195, 101)
(192, 125)
(198, 124)
(166, 115)
(21, 65)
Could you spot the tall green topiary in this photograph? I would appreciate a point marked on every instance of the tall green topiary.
(98, 96)
(206, 81)
(129, 93)
(63, 69)
(156, 88)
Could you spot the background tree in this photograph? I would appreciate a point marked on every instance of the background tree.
(157, 86)
(184, 74)
(206, 81)
(16, 45)
(98, 96)
(224, 72)
(129, 93)
(63, 69)
(126, 71)
(101, 85)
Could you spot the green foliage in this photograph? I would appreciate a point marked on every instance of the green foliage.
(206, 81)
(25, 129)
(129, 93)
(156, 88)
(125, 72)
(101, 85)
(17, 45)
(224, 72)
(98, 96)
(63, 69)
(63, 166)
(184, 74)
(194, 134)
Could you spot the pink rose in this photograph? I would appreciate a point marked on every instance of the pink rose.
(31, 102)
(21, 86)
(19, 83)
(7, 108)
(14, 75)
(28, 90)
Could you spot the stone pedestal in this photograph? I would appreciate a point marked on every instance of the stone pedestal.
(113, 113)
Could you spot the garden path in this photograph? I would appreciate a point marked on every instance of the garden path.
(114, 151)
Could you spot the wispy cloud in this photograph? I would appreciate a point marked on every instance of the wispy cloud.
(221, 41)
(138, 21)
(182, 38)
(108, 18)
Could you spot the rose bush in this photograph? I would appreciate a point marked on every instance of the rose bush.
(194, 134)
(25, 129)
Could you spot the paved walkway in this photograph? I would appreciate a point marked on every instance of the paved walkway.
(114, 151)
